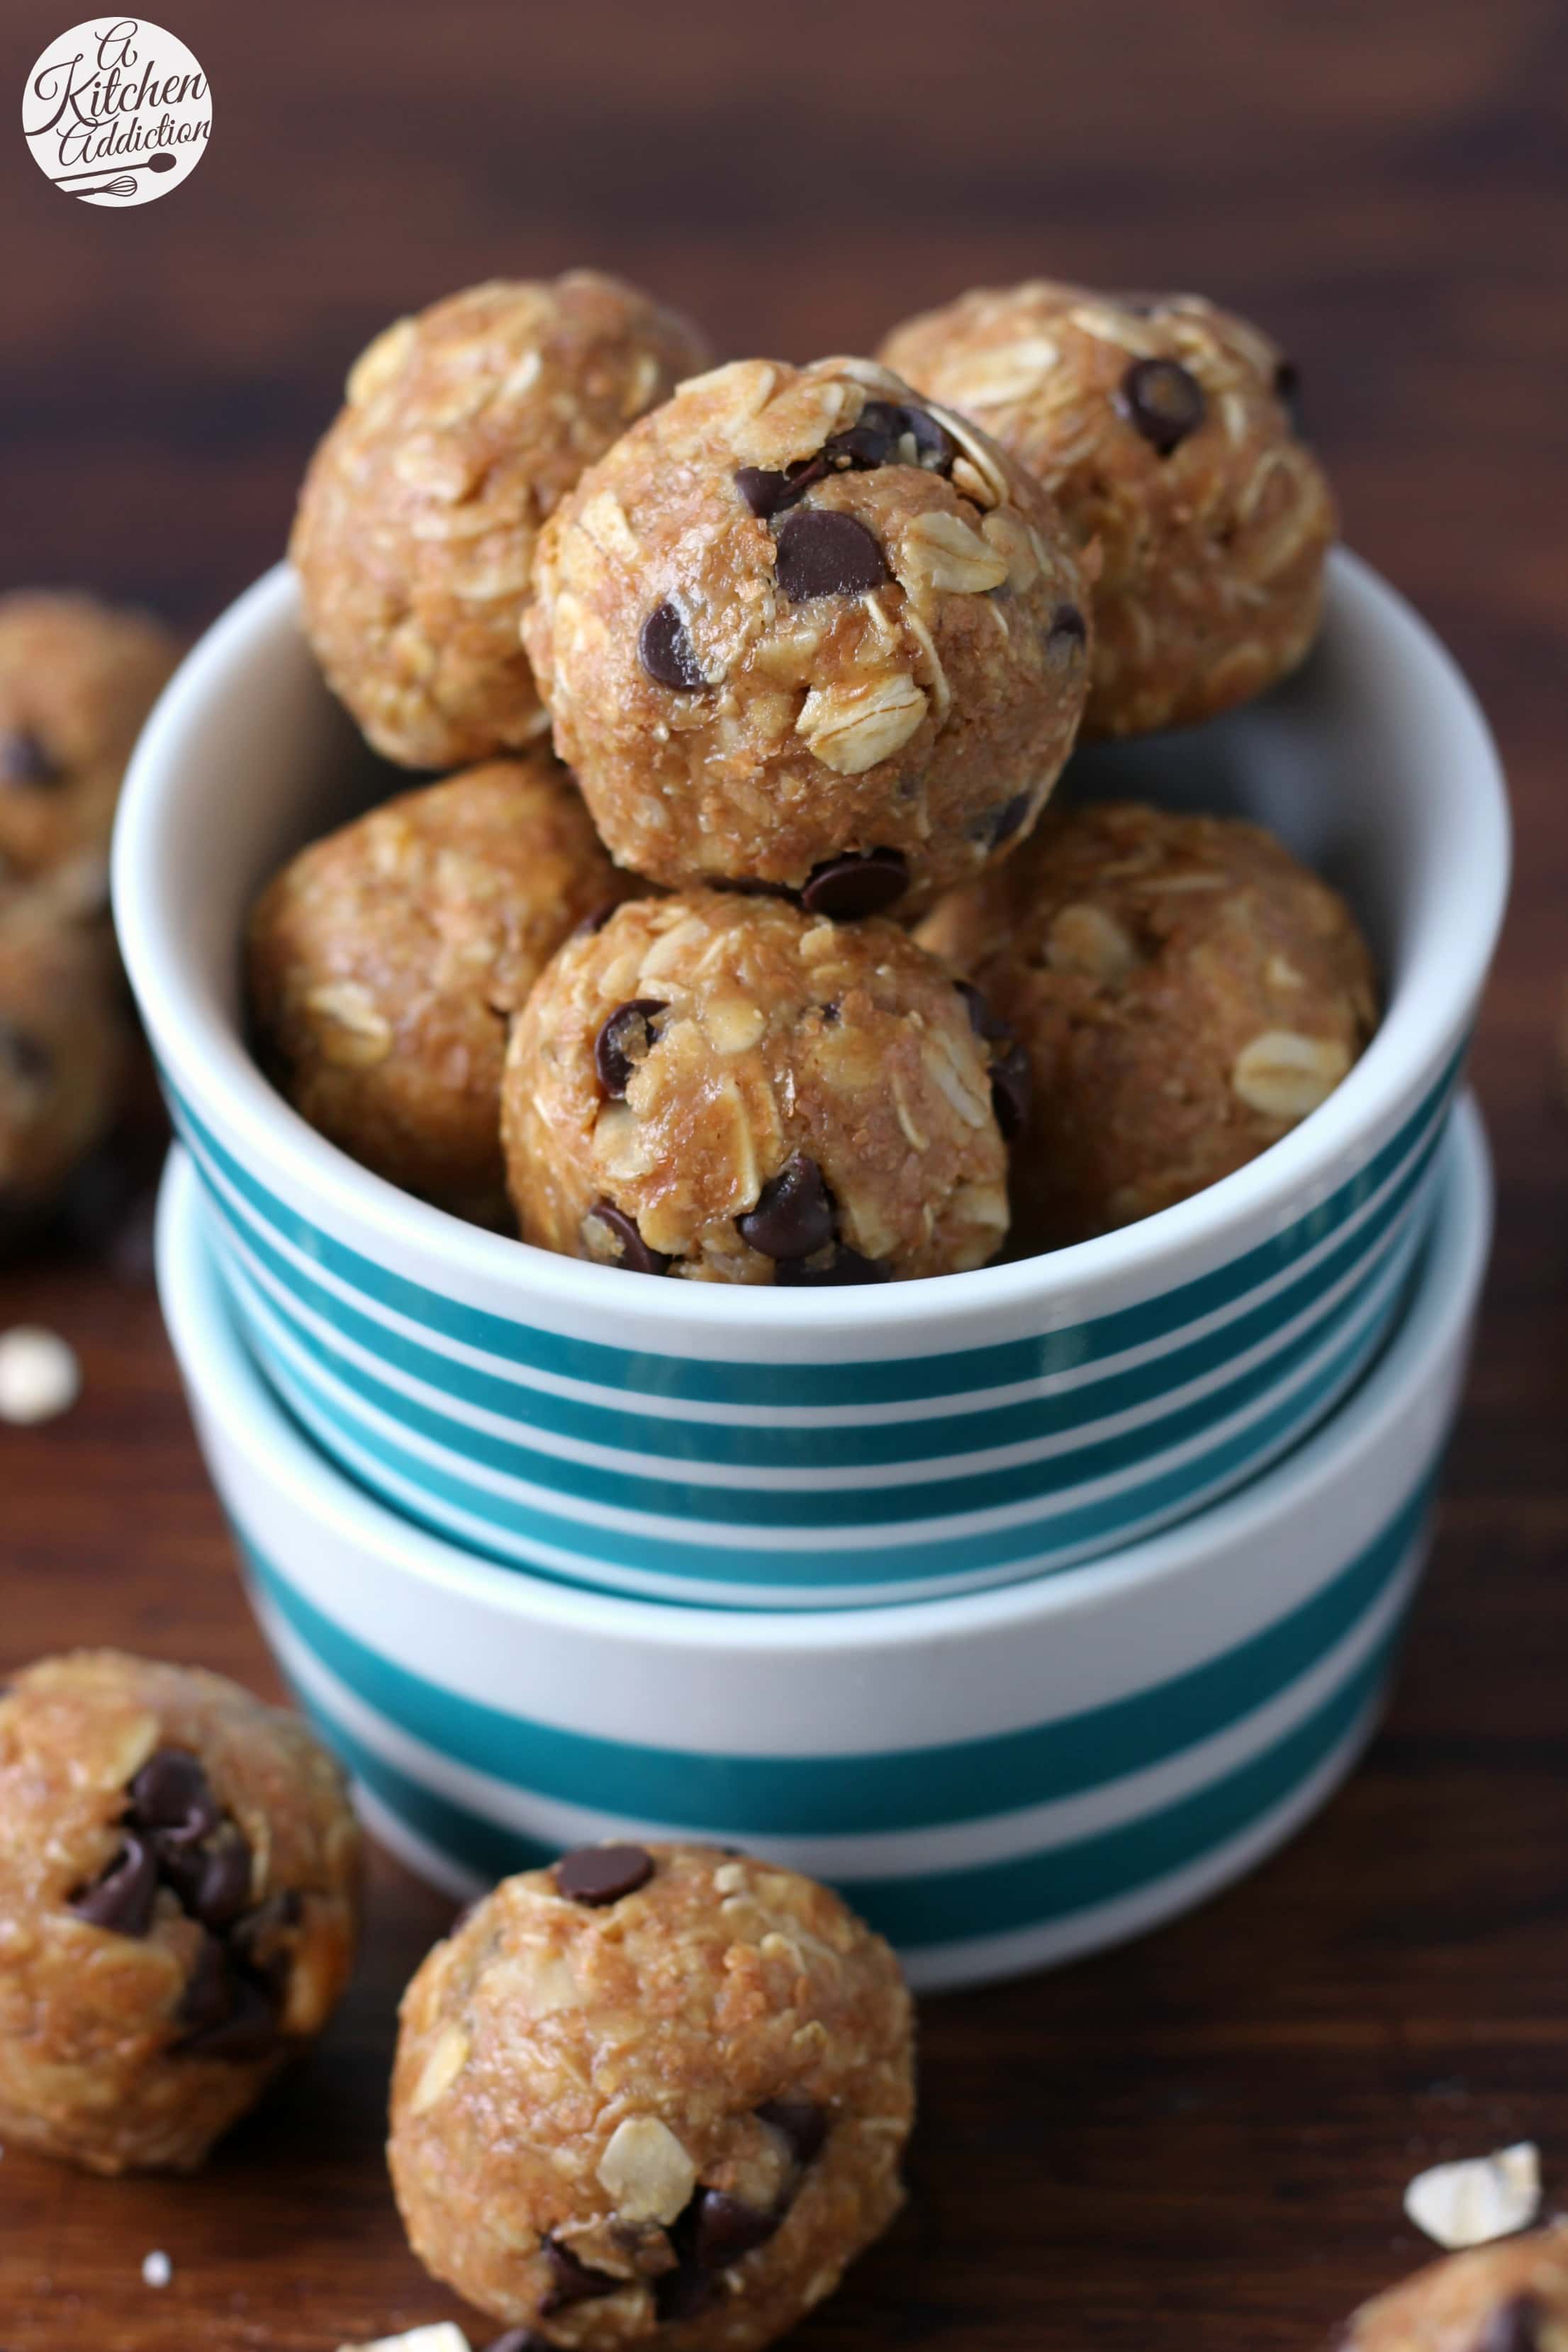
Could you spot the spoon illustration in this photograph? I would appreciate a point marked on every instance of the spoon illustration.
(162, 162)
(123, 186)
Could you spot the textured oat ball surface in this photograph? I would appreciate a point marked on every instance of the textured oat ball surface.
(65, 1045)
(385, 960)
(178, 1905)
(652, 2092)
(1164, 425)
(77, 679)
(798, 617)
(1186, 992)
(1509, 2297)
(726, 1088)
(463, 428)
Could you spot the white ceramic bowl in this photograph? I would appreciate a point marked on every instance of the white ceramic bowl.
(777, 1448)
(996, 1780)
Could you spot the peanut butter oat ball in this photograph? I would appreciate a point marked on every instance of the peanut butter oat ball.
(728, 1088)
(799, 627)
(385, 960)
(1509, 2298)
(1164, 426)
(464, 428)
(65, 1047)
(178, 1906)
(76, 680)
(656, 2093)
(1185, 993)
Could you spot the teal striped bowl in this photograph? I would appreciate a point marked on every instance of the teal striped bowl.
(773, 1449)
(996, 1781)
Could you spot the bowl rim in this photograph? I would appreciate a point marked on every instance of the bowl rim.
(206, 1056)
(230, 1386)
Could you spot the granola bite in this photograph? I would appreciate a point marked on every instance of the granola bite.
(1166, 429)
(64, 1048)
(464, 427)
(385, 960)
(1508, 2298)
(179, 1899)
(77, 679)
(1185, 993)
(730, 1089)
(705, 2068)
(799, 627)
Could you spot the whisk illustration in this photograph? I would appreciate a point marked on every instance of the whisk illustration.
(123, 184)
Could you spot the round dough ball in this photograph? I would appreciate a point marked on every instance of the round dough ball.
(1185, 993)
(77, 679)
(65, 1047)
(728, 1088)
(385, 960)
(797, 618)
(179, 1873)
(414, 538)
(1509, 2298)
(1164, 426)
(661, 2091)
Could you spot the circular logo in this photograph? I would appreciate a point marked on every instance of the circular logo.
(117, 111)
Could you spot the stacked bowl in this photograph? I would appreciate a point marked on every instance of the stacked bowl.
(1027, 1604)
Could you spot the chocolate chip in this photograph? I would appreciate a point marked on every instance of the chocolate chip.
(1514, 2327)
(1069, 632)
(223, 1888)
(572, 2281)
(1288, 392)
(794, 1215)
(935, 447)
(1009, 819)
(1010, 1090)
(626, 1038)
(24, 760)
(262, 1940)
(520, 2340)
(664, 651)
(827, 1272)
(682, 2292)
(801, 2123)
(23, 1057)
(595, 1875)
(863, 882)
(624, 1247)
(1162, 401)
(171, 1792)
(226, 2015)
(871, 441)
(120, 1899)
(594, 920)
(767, 493)
(822, 552)
(727, 2227)
(982, 1020)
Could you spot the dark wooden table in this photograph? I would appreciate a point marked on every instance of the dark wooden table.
(1200, 2140)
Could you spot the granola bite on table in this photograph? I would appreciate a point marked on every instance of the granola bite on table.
(76, 680)
(65, 1047)
(1508, 2298)
(464, 427)
(655, 2093)
(179, 1899)
(385, 960)
(1166, 429)
(729, 1088)
(1184, 990)
(802, 628)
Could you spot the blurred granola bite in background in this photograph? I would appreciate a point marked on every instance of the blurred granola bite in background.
(66, 1048)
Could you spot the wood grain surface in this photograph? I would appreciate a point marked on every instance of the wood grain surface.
(1201, 2139)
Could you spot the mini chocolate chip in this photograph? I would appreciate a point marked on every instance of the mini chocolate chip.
(822, 552)
(863, 882)
(727, 2227)
(982, 1020)
(664, 651)
(22, 1057)
(225, 2013)
(1163, 401)
(120, 1899)
(595, 1875)
(1288, 392)
(171, 1792)
(595, 919)
(764, 491)
(628, 1250)
(260, 1940)
(801, 2123)
(935, 447)
(822, 1271)
(871, 441)
(625, 1038)
(682, 2292)
(223, 1888)
(1069, 632)
(1009, 819)
(574, 2282)
(1010, 1090)
(24, 760)
(1514, 2327)
(794, 1215)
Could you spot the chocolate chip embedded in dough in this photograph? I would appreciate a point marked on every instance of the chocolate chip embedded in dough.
(864, 882)
(623, 1246)
(833, 1269)
(725, 2228)
(1068, 635)
(625, 1038)
(596, 1874)
(171, 1792)
(1163, 401)
(24, 761)
(823, 552)
(664, 651)
(800, 2122)
(1288, 392)
(120, 1900)
(794, 1215)
(572, 2282)
(1010, 1091)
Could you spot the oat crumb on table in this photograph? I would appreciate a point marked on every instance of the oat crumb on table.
(39, 1375)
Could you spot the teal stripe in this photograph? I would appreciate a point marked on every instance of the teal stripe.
(842, 1383)
(434, 1495)
(786, 1449)
(810, 1795)
(952, 1905)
